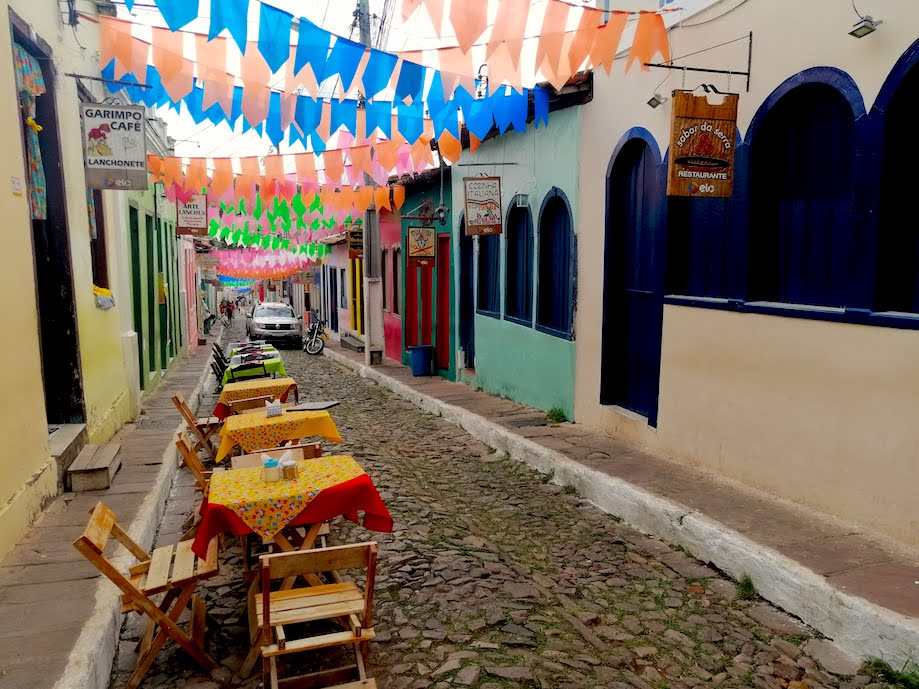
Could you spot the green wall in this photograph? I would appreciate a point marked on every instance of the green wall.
(524, 365)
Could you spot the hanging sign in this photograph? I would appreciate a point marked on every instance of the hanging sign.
(207, 261)
(356, 239)
(114, 146)
(210, 274)
(483, 205)
(702, 138)
(192, 216)
(421, 247)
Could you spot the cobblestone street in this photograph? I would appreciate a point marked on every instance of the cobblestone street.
(494, 577)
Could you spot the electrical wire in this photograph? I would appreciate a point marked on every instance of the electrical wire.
(713, 19)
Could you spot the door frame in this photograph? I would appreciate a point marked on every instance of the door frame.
(466, 292)
(658, 225)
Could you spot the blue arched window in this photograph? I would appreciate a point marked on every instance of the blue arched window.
(489, 279)
(554, 304)
(801, 231)
(518, 291)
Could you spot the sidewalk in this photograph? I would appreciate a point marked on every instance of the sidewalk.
(830, 575)
(58, 626)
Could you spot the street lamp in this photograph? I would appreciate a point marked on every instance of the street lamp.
(865, 26)
(656, 100)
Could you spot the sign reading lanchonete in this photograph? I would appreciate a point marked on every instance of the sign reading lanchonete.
(192, 216)
(702, 138)
(483, 205)
(114, 146)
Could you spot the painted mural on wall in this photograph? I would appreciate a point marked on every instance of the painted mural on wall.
(421, 247)
(483, 205)
(702, 136)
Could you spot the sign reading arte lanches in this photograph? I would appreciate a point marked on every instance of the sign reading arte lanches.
(193, 216)
(483, 205)
(114, 146)
(702, 137)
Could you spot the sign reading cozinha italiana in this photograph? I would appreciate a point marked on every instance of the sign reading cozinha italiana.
(114, 146)
(483, 205)
(702, 138)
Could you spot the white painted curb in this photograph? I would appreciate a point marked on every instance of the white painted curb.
(90, 663)
(860, 628)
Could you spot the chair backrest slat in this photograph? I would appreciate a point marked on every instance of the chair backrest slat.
(192, 461)
(179, 401)
(355, 556)
(99, 528)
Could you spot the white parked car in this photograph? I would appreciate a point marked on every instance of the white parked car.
(274, 322)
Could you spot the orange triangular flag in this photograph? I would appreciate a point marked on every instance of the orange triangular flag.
(344, 199)
(172, 172)
(196, 175)
(450, 147)
(584, 37)
(387, 154)
(398, 196)
(509, 29)
(559, 77)
(650, 38)
(421, 155)
(274, 168)
(474, 142)
(175, 71)
(363, 198)
(455, 61)
(140, 53)
(333, 166)
(435, 9)
(408, 8)
(606, 44)
(250, 174)
(222, 178)
(255, 75)
(306, 167)
(211, 58)
(381, 198)
(552, 35)
(469, 20)
(502, 71)
(360, 159)
(155, 167)
(115, 43)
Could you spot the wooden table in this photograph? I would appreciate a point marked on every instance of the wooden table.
(279, 388)
(257, 431)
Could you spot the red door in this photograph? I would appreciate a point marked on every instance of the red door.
(442, 348)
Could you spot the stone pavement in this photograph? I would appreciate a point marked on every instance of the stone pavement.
(47, 589)
(863, 594)
(494, 577)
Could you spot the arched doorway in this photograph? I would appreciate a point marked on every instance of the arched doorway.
(633, 297)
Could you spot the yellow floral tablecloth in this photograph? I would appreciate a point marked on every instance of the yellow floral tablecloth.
(256, 431)
(267, 508)
(254, 388)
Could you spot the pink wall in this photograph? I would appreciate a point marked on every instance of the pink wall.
(191, 293)
(390, 236)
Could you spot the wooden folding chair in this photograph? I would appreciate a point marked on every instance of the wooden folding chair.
(190, 458)
(172, 570)
(304, 451)
(249, 403)
(218, 374)
(201, 429)
(257, 369)
(272, 613)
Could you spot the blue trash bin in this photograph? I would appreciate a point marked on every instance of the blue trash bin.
(421, 358)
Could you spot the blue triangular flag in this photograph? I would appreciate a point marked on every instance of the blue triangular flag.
(445, 118)
(378, 72)
(499, 103)
(317, 143)
(178, 13)
(274, 35)
(232, 16)
(478, 118)
(540, 105)
(520, 104)
(379, 116)
(273, 121)
(411, 79)
(307, 114)
(435, 95)
(344, 113)
(411, 120)
(343, 61)
(312, 48)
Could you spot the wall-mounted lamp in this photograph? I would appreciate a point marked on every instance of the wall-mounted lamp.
(522, 200)
(656, 100)
(865, 26)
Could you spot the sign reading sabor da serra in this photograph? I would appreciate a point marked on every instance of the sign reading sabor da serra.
(702, 137)
(114, 146)
(483, 205)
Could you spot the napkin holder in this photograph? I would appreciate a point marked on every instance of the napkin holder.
(273, 408)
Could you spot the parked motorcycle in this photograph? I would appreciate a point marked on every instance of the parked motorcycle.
(314, 339)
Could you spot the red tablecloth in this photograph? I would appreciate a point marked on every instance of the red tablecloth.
(345, 499)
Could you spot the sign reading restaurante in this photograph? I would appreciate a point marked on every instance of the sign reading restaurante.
(702, 137)
(114, 146)
(483, 205)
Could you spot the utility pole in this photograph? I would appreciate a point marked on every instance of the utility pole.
(373, 286)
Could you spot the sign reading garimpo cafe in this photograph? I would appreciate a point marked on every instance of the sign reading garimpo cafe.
(192, 216)
(702, 137)
(114, 146)
(483, 205)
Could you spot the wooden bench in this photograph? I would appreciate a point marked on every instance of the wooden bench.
(95, 467)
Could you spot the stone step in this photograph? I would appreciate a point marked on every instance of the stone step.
(352, 343)
(94, 468)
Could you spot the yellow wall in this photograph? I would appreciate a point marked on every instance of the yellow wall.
(816, 412)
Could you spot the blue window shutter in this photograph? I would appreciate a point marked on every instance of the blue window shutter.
(519, 273)
(556, 240)
(489, 271)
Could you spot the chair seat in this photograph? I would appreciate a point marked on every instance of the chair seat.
(208, 421)
(314, 603)
(314, 643)
(172, 566)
